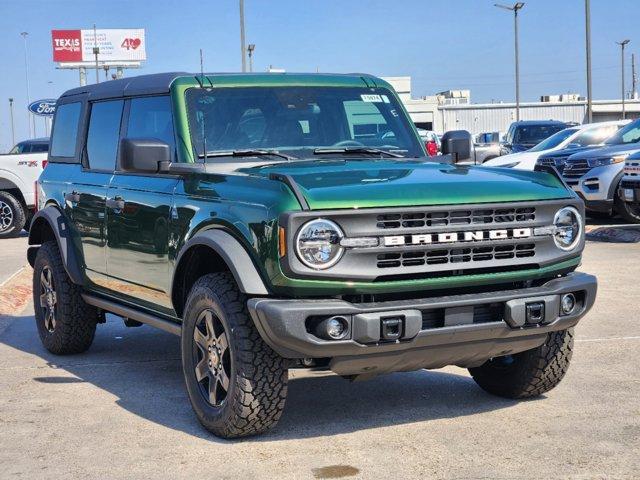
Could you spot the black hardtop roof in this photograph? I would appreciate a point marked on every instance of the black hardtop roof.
(159, 83)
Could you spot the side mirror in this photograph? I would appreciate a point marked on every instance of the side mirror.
(144, 155)
(457, 143)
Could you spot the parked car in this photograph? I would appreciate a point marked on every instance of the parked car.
(431, 141)
(630, 187)
(592, 134)
(290, 242)
(486, 146)
(526, 134)
(595, 173)
(34, 145)
(19, 169)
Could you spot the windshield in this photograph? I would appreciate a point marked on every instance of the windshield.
(595, 136)
(533, 134)
(554, 140)
(628, 134)
(298, 120)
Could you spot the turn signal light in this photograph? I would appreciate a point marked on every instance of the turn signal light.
(282, 242)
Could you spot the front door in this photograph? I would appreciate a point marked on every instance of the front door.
(139, 212)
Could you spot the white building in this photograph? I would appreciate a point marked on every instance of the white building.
(452, 110)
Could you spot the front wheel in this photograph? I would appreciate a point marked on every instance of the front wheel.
(629, 211)
(530, 373)
(237, 385)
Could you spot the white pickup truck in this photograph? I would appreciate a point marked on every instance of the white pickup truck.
(19, 169)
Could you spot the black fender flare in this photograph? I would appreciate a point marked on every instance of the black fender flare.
(55, 219)
(613, 188)
(233, 254)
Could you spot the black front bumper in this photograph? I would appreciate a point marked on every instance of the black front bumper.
(462, 339)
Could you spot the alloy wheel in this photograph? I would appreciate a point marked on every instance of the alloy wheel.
(6, 216)
(48, 299)
(213, 360)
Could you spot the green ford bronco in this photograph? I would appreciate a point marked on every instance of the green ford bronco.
(275, 221)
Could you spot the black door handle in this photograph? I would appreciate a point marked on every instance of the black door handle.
(73, 197)
(116, 203)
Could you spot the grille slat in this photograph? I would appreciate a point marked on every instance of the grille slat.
(575, 169)
(455, 217)
(456, 255)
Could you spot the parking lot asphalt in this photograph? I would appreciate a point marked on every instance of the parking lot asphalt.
(121, 411)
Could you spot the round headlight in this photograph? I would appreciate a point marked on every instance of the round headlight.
(318, 244)
(568, 223)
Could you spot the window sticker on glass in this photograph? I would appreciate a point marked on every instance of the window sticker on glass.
(371, 98)
(385, 99)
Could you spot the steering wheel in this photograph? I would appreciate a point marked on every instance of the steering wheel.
(348, 143)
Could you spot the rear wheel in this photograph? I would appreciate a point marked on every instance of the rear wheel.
(237, 385)
(66, 324)
(13, 215)
(530, 373)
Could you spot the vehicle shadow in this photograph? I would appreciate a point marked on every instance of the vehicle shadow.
(141, 368)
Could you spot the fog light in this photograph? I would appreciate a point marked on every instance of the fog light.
(568, 303)
(333, 328)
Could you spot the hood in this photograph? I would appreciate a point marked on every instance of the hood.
(389, 183)
(606, 151)
(526, 157)
(565, 152)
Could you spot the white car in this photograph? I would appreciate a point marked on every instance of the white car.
(578, 136)
(19, 169)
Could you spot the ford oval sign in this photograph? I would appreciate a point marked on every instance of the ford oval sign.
(44, 108)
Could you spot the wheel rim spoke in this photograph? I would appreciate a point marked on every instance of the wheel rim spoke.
(43, 300)
(213, 390)
(200, 339)
(211, 356)
(222, 343)
(223, 378)
(208, 321)
(202, 370)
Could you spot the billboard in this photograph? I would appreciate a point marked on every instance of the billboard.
(116, 45)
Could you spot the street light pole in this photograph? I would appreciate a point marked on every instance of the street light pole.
(242, 46)
(622, 45)
(517, 6)
(30, 118)
(587, 19)
(250, 50)
(13, 128)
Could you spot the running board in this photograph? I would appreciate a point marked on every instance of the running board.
(133, 314)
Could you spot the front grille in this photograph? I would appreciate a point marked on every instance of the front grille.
(455, 217)
(487, 313)
(456, 255)
(575, 169)
(557, 162)
(632, 168)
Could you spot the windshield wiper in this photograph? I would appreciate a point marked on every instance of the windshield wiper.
(245, 153)
(356, 150)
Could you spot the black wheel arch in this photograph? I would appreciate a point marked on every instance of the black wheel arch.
(223, 253)
(50, 224)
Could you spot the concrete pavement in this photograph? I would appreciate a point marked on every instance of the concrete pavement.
(121, 411)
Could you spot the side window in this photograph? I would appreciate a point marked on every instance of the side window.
(150, 117)
(65, 130)
(103, 135)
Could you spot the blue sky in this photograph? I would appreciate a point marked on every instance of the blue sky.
(442, 44)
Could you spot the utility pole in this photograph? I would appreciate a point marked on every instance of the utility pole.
(30, 117)
(587, 19)
(623, 44)
(517, 6)
(634, 78)
(96, 51)
(242, 46)
(250, 50)
(13, 128)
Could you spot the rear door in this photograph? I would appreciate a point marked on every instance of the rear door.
(139, 212)
(88, 190)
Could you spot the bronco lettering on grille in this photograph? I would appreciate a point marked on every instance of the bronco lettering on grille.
(472, 236)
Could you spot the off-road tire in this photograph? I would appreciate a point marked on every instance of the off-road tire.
(258, 376)
(625, 210)
(18, 214)
(75, 320)
(530, 373)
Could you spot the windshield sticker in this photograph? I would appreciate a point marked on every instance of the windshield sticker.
(371, 98)
(385, 99)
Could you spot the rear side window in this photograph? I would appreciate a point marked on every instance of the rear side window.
(150, 117)
(65, 130)
(103, 135)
